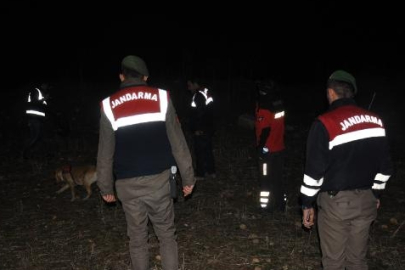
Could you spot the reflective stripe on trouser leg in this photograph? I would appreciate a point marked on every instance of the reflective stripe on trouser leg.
(264, 169)
(264, 198)
(264, 195)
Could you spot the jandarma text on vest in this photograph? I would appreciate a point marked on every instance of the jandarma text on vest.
(131, 96)
(358, 119)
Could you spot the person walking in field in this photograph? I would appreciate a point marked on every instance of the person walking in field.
(202, 127)
(270, 128)
(348, 165)
(140, 139)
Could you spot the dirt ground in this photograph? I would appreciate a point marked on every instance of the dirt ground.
(219, 227)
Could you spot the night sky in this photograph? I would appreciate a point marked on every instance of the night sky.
(289, 41)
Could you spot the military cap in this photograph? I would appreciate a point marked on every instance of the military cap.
(341, 75)
(135, 63)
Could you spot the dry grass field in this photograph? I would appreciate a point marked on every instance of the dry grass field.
(219, 227)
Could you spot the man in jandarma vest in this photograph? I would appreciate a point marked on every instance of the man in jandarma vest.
(140, 140)
(348, 164)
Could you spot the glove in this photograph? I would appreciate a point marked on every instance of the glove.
(263, 152)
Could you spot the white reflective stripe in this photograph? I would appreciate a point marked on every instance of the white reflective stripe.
(108, 112)
(40, 96)
(279, 115)
(208, 100)
(193, 102)
(139, 118)
(312, 182)
(381, 177)
(309, 191)
(264, 168)
(357, 135)
(35, 112)
(264, 193)
(204, 92)
(264, 200)
(164, 103)
(378, 186)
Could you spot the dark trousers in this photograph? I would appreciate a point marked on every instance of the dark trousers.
(204, 155)
(343, 224)
(34, 140)
(273, 180)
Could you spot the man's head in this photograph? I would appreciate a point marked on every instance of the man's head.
(194, 84)
(343, 76)
(134, 66)
(45, 86)
(343, 84)
(266, 87)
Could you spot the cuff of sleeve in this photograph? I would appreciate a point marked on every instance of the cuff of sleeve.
(106, 193)
(105, 189)
(377, 193)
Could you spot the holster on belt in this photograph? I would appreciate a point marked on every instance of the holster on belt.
(173, 182)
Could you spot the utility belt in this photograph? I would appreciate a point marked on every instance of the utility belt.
(333, 193)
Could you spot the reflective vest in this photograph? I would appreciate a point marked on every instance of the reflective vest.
(138, 117)
(356, 150)
(205, 93)
(36, 105)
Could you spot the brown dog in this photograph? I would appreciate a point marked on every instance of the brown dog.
(73, 176)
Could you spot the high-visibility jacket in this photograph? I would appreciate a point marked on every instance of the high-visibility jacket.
(347, 149)
(36, 103)
(207, 97)
(202, 111)
(270, 125)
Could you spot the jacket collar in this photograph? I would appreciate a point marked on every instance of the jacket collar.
(132, 82)
(341, 102)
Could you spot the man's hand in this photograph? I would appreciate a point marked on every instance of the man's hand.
(378, 203)
(187, 190)
(109, 198)
(308, 216)
(262, 152)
